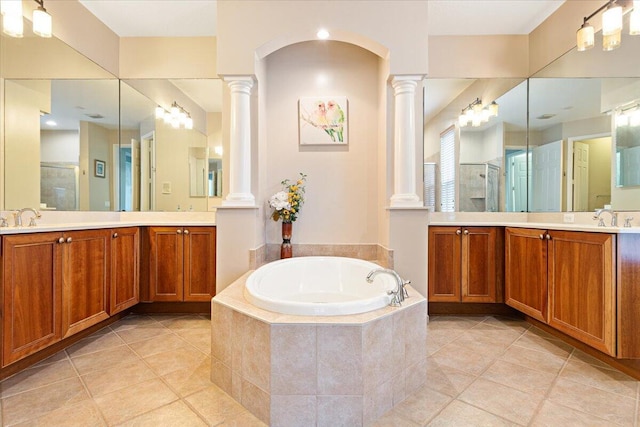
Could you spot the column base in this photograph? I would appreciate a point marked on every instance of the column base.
(239, 199)
(405, 201)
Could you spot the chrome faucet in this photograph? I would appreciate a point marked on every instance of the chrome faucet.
(17, 217)
(400, 293)
(614, 217)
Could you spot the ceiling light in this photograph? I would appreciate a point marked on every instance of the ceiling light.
(322, 34)
(51, 123)
(42, 21)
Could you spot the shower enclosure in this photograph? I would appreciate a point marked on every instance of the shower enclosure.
(479, 187)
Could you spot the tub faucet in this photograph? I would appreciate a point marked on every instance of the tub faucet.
(17, 217)
(614, 217)
(400, 293)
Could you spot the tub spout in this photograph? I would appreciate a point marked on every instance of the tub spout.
(400, 293)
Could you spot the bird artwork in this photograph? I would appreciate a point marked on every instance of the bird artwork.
(322, 116)
(335, 118)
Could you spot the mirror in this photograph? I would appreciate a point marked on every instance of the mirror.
(167, 167)
(60, 118)
(583, 154)
(483, 157)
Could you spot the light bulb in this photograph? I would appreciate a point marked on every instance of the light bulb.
(493, 109)
(477, 120)
(12, 25)
(622, 119)
(585, 37)
(167, 117)
(188, 123)
(612, 20)
(462, 120)
(634, 117)
(175, 111)
(159, 112)
(611, 41)
(322, 34)
(634, 22)
(11, 7)
(42, 22)
(485, 115)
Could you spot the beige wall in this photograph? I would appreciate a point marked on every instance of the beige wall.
(478, 56)
(168, 57)
(22, 129)
(342, 195)
(244, 27)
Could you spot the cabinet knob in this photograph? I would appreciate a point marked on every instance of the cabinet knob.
(458, 232)
(179, 231)
(541, 237)
(115, 235)
(69, 239)
(465, 232)
(186, 231)
(548, 236)
(61, 240)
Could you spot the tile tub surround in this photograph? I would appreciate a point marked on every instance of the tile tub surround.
(374, 252)
(287, 370)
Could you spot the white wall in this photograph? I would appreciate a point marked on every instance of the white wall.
(342, 196)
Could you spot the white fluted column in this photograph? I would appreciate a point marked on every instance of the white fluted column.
(404, 142)
(240, 143)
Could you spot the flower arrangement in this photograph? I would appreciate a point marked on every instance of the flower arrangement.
(286, 203)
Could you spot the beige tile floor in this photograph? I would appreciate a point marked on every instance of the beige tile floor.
(482, 371)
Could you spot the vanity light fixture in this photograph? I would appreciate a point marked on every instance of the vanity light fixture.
(611, 26)
(41, 20)
(12, 22)
(176, 116)
(476, 114)
(628, 116)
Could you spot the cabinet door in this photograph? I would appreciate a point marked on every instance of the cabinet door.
(87, 264)
(444, 264)
(526, 271)
(479, 264)
(32, 292)
(125, 259)
(199, 263)
(581, 287)
(165, 264)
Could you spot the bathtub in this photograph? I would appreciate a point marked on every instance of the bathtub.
(318, 286)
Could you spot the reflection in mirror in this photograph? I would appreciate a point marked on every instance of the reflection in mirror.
(587, 91)
(475, 167)
(55, 130)
(570, 144)
(165, 165)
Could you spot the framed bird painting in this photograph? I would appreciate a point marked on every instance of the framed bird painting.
(323, 120)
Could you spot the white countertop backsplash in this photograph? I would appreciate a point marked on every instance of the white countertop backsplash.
(74, 220)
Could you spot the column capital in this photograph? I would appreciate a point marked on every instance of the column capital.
(396, 80)
(240, 83)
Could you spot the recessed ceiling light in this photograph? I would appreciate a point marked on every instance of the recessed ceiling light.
(322, 34)
(545, 116)
(51, 123)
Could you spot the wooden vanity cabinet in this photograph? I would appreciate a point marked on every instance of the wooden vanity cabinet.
(466, 264)
(526, 283)
(181, 263)
(125, 268)
(32, 294)
(565, 279)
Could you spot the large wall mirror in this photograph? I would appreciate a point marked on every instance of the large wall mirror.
(585, 130)
(77, 138)
(481, 165)
(60, 120)
(165, 165)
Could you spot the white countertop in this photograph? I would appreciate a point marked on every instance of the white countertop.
(540, 225)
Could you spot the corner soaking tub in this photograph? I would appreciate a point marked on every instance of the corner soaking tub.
(318, 286)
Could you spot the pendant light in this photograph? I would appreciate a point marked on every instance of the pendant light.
(612, 20)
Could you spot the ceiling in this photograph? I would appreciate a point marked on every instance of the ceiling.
(185, 18)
